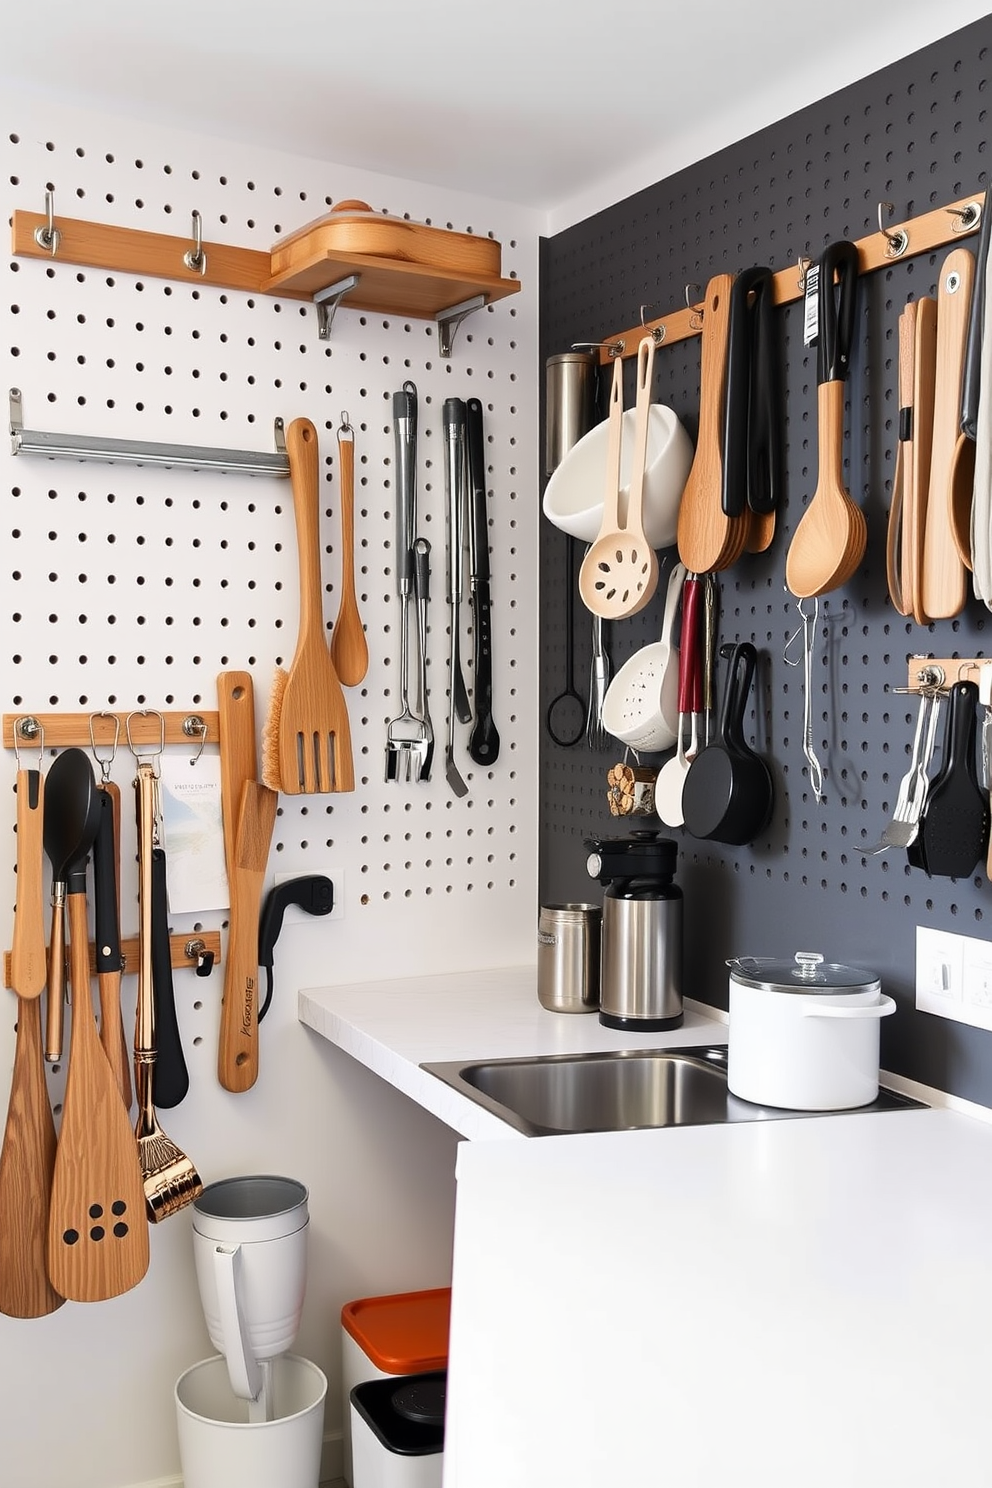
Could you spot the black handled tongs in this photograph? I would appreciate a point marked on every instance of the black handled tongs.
(752, 413)
(483, 744)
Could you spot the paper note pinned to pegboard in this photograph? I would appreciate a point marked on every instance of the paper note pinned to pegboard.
(194, 834)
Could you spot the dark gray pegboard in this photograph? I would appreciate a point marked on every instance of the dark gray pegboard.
(913, 134)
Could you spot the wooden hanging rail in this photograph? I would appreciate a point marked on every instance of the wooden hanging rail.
(208, 940)
(923, 234)
(62, 730)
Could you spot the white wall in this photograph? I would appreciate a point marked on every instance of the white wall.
(126, 587)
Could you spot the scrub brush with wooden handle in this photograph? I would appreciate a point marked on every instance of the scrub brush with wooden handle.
(306, 741)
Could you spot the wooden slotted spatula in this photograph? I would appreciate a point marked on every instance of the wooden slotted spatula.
(306, 745)
(97, 1230)
(28, 1156)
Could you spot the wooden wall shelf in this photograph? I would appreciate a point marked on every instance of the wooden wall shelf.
(384, 285)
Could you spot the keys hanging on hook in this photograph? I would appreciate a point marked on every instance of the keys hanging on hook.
(807, 630)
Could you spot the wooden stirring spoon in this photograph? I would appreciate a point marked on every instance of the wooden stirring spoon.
(943, 579)
(28, 1156)
(349, 647)
(830, 540)
(708, 539)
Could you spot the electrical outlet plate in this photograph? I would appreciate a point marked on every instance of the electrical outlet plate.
(294, 915)
(954, 976)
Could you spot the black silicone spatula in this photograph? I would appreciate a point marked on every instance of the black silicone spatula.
(954, 832)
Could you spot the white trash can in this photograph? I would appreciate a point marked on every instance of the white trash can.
(397, 1431)
(220, 1448)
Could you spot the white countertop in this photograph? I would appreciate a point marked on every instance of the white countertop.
(393, 1027)
(784, 1304)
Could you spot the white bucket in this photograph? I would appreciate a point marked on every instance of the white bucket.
(220, 1448)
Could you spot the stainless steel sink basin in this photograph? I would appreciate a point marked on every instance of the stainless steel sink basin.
(617, 1091)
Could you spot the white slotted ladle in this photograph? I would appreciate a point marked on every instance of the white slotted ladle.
(641, 706)
(671, 777)
(619, 573)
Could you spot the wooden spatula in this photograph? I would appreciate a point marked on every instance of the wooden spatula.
(307, 738)
(28, 1156)
(97, 1229)
(709, 540)
(943, 580)
(237, 1061)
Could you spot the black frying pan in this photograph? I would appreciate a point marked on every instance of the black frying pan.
(727, 796)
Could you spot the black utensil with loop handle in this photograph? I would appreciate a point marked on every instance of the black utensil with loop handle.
(566, 716)
(954, 832)
(727, 795)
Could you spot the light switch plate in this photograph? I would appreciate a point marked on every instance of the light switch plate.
(954, 976)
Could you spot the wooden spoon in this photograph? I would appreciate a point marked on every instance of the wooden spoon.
(619, 573)
(349, 648)
(943, 579)
(708, 539)
(28, 1156)
(915, 514)
(829, 542)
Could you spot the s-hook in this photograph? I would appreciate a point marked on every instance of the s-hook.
(807, 631)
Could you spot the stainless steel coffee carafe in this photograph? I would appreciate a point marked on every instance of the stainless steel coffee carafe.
(641, 970)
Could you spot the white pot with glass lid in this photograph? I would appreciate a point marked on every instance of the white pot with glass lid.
(804, 1034)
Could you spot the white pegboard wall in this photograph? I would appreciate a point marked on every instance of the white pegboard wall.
(135, 586)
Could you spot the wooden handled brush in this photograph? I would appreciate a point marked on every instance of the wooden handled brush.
(306, 742)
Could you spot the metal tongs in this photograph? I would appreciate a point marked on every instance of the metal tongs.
(904, 828)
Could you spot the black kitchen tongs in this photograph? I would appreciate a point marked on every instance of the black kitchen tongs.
(752, 444)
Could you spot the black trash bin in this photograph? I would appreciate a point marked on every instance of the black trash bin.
(397, 1431)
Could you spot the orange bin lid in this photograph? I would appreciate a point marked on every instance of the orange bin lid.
(406, 1333)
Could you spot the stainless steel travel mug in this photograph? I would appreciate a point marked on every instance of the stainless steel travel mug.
(568, 948)
(571, 403)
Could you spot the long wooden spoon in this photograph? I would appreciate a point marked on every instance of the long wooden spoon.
(709, 540)
(349, 648)
(28, 1156)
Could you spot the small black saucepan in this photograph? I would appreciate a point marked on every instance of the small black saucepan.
(727, 795)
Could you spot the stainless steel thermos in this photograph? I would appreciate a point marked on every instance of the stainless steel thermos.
(641, 960)
(568, 948)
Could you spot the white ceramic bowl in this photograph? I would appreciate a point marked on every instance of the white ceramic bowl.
(573, 497)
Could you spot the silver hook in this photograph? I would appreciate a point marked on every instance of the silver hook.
(803, 266)
(968, 217)
(657, 333)
(28, 728)
(49, 237)
(345, 423)
(194, 258)
(897, 241)
(103, 761)
(615, 348)
(195, 727)
(149, 753)
(695, 309)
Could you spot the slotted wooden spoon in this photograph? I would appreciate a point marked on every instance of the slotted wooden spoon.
(97, 1230)
(28, 1156)
(619, 573)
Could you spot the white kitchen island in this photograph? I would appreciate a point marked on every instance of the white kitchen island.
(786, 1304)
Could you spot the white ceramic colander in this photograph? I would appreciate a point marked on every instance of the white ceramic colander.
(641, 704)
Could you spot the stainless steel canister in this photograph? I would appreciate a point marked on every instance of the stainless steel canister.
(568, 944)
(571, 403)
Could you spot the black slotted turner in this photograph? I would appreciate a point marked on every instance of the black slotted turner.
(954, 831)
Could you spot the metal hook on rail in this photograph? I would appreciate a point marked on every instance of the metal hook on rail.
(657, 333)
(615, 348)
(105, 761)
(898, 239)
(49, 237)
(194, 258)
(692, 305)
(968, 216)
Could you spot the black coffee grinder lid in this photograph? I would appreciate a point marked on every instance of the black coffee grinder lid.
(645, 855)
